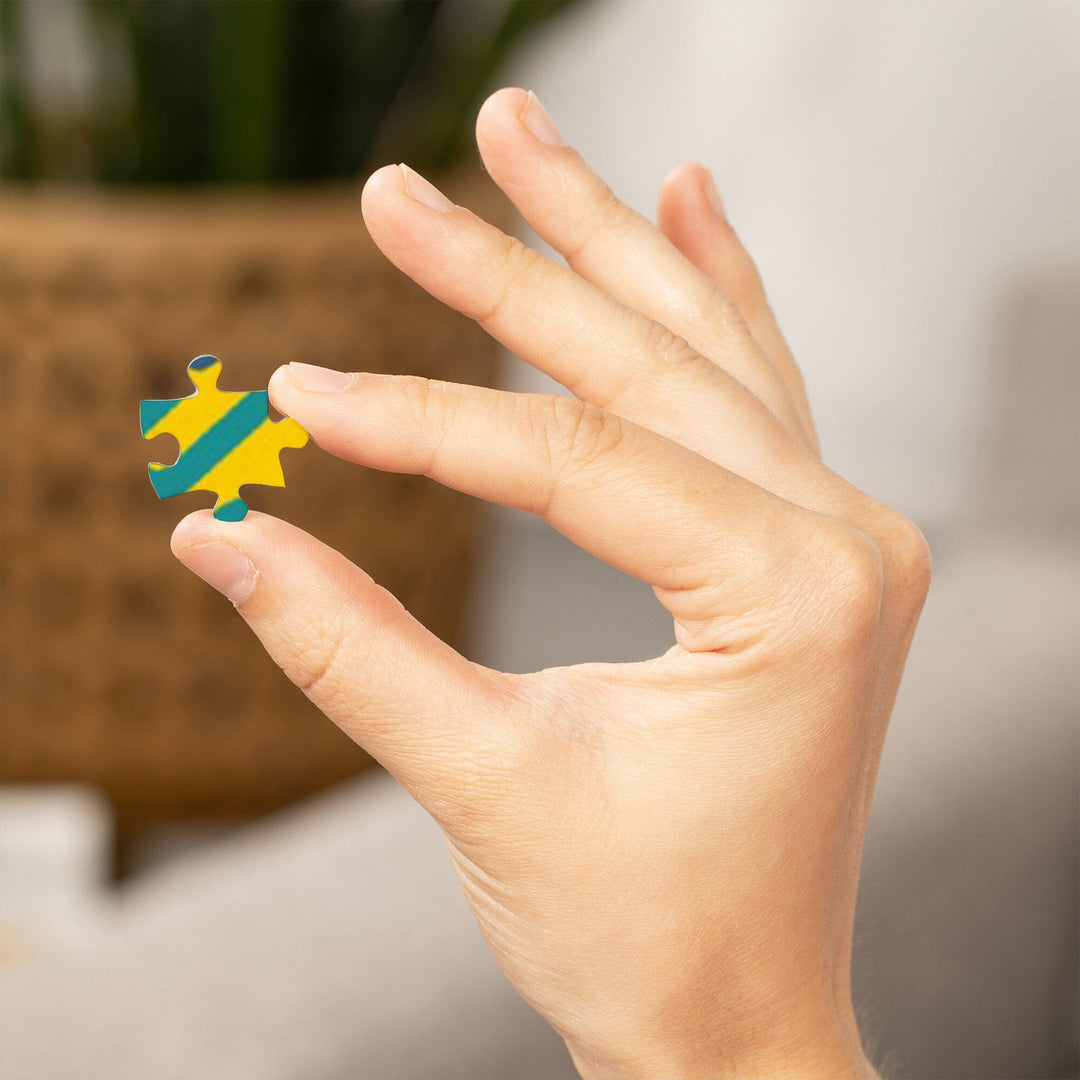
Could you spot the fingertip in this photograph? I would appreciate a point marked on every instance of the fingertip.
(690, 214)
(386, 174)
(191, 531)
(201, 527)
(686, 173)
(382, 182)
(689, 188)
(282, 376)
(513, 131)
(280, 388)
(507, 102)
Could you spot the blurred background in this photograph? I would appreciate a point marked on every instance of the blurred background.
(199, 875)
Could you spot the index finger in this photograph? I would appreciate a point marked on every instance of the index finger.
(715, 545)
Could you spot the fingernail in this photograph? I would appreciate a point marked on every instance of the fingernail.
(224, 567)
(534, 116)
(416, 187)
(714, 196)
(312, 377)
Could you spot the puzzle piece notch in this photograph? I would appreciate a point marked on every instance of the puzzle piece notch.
(226, 438)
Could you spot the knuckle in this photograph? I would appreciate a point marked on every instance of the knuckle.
(414, 401)
(744, 286)
(848, 575)
(507, 267)
(416, 395)
(908, 562)
(339, 664)
(429, 407)
(315, 664)
(519, 261)
(669, 349)
(571, 434)
(580, 434)
(315, 660)
(855, 579)
(614, 215)
(592, 211)
(726, 317)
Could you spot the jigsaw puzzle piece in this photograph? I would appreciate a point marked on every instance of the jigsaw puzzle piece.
(252, 461)
(226, 440)
(187, 418)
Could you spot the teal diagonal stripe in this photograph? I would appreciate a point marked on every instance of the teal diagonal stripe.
(151, 412)
(212, 446)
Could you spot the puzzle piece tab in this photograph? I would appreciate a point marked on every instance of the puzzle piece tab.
(226, 440)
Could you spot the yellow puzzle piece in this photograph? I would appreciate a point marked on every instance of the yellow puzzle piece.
(227, 439)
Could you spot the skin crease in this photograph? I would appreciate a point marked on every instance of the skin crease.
(663, 856)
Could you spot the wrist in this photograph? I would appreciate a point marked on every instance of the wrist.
(812, 1063)
(829, 1049)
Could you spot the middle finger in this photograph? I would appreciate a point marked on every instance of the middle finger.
(618, 250)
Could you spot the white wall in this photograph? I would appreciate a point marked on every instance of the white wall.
(894, 168)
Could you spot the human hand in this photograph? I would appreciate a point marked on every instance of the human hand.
(663, 856)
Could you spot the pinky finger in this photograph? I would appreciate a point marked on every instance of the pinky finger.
(691, 217)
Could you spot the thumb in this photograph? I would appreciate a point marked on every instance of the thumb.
(435, 720)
